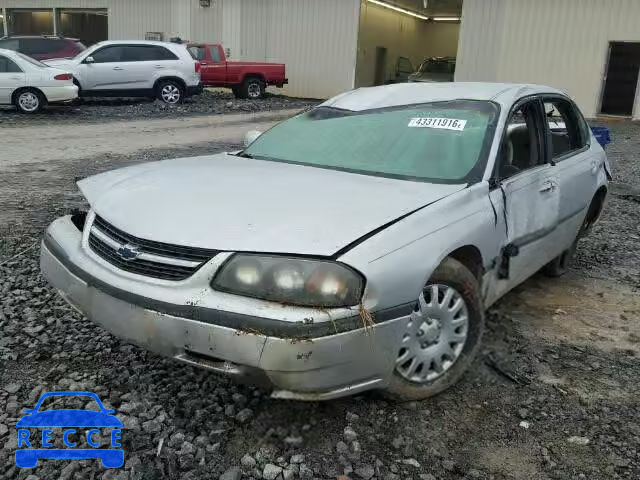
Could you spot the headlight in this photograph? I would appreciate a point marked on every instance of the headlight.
(298, 281)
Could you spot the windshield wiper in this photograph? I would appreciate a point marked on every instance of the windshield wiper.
(244, 155)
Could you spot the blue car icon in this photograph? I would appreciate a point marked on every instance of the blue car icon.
(65, 418)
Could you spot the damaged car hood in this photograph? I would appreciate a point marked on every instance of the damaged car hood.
(226, 202)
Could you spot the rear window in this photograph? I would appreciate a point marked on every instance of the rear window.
(32, 61)
(8, 66)
(198, 53)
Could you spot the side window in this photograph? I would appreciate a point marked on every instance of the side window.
(164, 54)
(404, 65)
(197, 52)
(108, 54)
(521, 146)
(215, 54)
(566, 127)
(8, 66)
(146, 53)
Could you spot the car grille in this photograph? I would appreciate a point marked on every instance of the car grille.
(145, 257)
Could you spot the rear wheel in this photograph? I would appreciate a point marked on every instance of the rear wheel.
(170, 92)
(442, 335)
(29, 100)
(252, 88)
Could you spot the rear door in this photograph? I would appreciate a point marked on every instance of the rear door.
(144, 64)
(11, 77)
(526, 197)
(577, 165)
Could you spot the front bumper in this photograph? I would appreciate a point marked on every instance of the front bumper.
(324, 367)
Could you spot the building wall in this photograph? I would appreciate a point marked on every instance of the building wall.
(315, 39)
(402, 36)
(564, 43)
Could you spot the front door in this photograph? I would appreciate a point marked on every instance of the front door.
(106, 71)
(622, 78)
(526, 197)
(11, 77)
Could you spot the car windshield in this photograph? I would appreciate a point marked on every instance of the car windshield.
(439, 142)
(32, 61)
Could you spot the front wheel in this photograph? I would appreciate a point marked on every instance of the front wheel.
(442, 335)
(29, 101)
(170, 92)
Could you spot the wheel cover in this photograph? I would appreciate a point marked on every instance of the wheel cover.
(435, 334)
(253, 90)
(170, 93)
(29, 101)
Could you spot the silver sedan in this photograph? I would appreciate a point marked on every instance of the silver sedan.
(355, 246)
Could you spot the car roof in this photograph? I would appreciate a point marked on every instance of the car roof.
(46, 37)
(413, 93)
(138, 42)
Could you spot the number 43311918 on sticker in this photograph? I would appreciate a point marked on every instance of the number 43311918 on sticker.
(437, 122)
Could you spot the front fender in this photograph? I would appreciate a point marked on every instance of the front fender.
(398, 261)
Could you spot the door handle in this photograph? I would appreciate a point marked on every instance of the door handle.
(118, 68)
(547, 186)
(16, 78)
(158, 67)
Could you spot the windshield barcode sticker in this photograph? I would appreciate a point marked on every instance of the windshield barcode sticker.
(435, 122)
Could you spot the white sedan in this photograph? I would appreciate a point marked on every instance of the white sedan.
(30, 85)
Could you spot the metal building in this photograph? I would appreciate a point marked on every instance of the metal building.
(590, 48)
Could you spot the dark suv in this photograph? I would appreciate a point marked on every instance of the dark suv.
(43, 48)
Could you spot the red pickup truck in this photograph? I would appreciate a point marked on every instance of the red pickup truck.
(246, 79)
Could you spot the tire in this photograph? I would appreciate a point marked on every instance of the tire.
(560, 265)
(451, 275)
(170, 92)
(252, 88)
(593, 213)
(29, 100)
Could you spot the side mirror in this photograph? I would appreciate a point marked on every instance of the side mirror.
(89, 59)
(251, 137)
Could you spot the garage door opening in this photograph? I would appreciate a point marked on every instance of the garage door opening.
(30, 21)
(89, 25)
(419, 38)
(619, 94)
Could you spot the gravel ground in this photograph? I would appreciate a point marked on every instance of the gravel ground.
(554, 395)
(98, 110)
